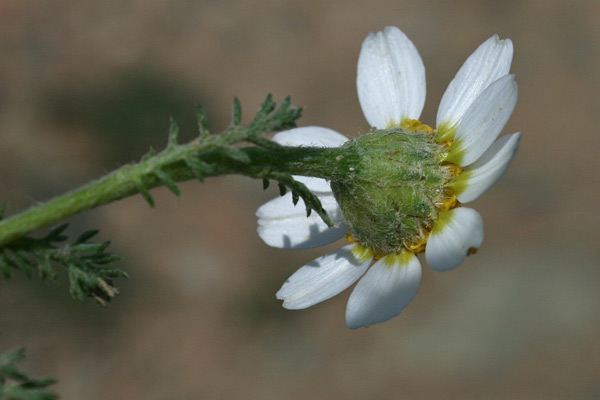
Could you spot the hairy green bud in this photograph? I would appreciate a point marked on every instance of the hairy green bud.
(396, 188)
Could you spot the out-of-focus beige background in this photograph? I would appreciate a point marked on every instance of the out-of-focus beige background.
(86, 86)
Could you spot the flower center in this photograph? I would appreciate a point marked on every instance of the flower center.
(396, 189)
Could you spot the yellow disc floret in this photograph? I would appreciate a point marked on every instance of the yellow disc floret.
(414, 125)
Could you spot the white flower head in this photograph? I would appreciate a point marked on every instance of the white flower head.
(466, 160)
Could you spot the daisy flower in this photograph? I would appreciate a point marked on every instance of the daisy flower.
(407, 196)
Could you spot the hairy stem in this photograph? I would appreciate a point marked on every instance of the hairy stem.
(255, 162)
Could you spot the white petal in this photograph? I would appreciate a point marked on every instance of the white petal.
(283, 225)
(384, 291)
(322, 279)
(316, 136)
(487, 64)
(484, 120)
(311, 136)
(391, 78)
(454, 234)
(484, 172)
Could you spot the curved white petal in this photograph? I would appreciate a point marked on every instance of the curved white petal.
(456, 233)
(283, 225)
(484, 120)
(311, 136)
(316, 136)
(322, 279)
(484, 172)
(384, 291)
(488, 63)
(391, 78)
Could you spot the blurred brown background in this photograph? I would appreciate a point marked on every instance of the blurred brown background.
(88, 85)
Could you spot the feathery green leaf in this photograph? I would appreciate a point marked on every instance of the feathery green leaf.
(237, 112)
(167, 181)
(173, 133)
(202, 120)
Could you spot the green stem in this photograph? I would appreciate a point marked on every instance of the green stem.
(115, 186)
(328, 163)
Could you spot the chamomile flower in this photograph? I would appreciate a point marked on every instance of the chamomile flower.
(406, 195)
